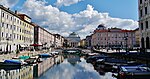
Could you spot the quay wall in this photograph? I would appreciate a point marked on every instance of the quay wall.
(47, 63)
(31, 72)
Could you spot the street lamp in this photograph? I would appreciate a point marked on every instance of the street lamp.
(126, 39)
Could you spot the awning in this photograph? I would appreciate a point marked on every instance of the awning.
(22, 45)
(35, 45)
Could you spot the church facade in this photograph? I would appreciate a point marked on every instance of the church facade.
(73, 40)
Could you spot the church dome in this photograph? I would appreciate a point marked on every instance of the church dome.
(73, 34)
(100, 27)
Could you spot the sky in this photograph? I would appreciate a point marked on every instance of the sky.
(80, 16)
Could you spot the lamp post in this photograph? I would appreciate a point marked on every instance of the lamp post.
(126, 39)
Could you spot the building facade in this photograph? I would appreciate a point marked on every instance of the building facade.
(88, 41)
(58, 40)
(43, 37)
(113, 38)
(83, 43)
(73, 40)
(16, 30)
(137, 37)
(144, 23)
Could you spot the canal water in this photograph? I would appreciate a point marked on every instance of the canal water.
(74, 68)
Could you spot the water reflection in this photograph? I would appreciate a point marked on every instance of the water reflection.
(80, 70)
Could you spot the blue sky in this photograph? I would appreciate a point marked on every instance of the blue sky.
(127, 9)
(116, 8)
(81, 16)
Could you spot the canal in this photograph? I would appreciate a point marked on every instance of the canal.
(74, 67)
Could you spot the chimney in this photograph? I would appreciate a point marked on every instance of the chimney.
(15, 11)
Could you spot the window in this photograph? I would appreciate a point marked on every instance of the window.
(145, 10)
(140, 1)
(2, 34)
(141, 13)
(10, 35)
(2, 24)
(11, 27)
(147, 43)
(146, 24)
(6, 35)
(7, 26)
(17, 28)
(11, 18)
(141, 26)
(18, 21)
(14, 27)
(3, 14)
(7, 17)
(14, 36)
(20, 37)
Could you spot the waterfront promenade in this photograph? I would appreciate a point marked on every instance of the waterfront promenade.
(142, 57)
(22, 53)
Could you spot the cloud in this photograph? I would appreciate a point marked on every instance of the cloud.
(8, 3)
(83, 23)
(51, 17)
(60, 3)
(65, 70)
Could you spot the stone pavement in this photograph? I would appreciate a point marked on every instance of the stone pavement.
(112, 51)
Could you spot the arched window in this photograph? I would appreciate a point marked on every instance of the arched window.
(142, 43)
(147, 43)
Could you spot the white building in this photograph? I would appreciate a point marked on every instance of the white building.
(58, 40)
(73, 40)
(16, 30)
(144, 23)
(42, 37)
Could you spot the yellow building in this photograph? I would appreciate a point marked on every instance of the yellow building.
(27, 30)
(83, 43)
